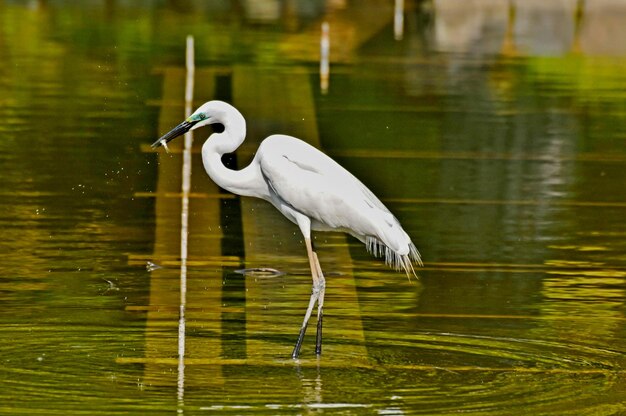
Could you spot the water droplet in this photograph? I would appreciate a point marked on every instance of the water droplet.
(152, 266)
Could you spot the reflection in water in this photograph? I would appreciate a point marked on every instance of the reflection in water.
(184, 218)
(324, 58)
(493, 129)
(260, 272)
(398, 20)
(311, 388)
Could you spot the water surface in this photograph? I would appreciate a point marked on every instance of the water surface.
(494, 132)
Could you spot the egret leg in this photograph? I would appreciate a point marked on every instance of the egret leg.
(320, 305)
(318, 287)
(305, 323)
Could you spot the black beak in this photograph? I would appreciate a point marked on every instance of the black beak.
(179, 130)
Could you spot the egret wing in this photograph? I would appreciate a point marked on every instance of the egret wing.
(315, 185)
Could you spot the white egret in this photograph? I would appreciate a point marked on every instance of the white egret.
(307, 187)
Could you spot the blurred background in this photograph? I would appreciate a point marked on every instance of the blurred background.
(494, 130)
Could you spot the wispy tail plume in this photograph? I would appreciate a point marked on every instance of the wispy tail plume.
(393, 259)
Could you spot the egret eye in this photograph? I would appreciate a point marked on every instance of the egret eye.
(201, 116)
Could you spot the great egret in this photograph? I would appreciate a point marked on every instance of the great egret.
(308, 187)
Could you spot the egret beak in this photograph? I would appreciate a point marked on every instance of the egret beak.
(179, 130)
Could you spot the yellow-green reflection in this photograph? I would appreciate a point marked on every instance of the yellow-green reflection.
(494, 130)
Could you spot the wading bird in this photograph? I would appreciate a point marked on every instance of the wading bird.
(307, 187)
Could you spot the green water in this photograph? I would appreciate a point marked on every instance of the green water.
(495, 133)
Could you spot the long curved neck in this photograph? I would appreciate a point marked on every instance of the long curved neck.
(247, 181)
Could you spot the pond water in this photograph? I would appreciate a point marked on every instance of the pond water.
(495, 131)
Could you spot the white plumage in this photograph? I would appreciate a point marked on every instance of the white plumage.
(308, 181)
(305, 185)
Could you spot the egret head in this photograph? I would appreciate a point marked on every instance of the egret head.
(210, 112)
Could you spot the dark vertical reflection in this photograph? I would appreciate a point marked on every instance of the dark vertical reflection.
(234, 285)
